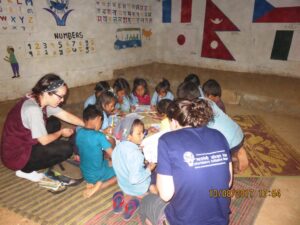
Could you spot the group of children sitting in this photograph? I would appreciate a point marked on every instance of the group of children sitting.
(103, 162)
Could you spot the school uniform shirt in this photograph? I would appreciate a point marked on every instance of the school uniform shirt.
(125, 106)
(94, 167)
(198, 160)
(128, 163)
(156, 98)
(221, 105)
(91, 100)
(201, 91)
(105, 121)
(223, 123)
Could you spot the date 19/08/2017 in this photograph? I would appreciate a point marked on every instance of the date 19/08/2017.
(244, 193)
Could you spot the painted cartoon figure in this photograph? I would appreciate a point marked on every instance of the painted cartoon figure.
(13, 61)
(59, 10)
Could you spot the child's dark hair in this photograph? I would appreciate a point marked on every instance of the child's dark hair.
(194, 113)
(136, 123)
(192, 78)
(140, 82)
(91, 112)
(101, 86)
(121, 84)
(163, 105)
(188, 90)
(212, 87)
(164, 85)
(105, 98)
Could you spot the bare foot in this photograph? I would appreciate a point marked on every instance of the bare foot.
(91, 189)
(243, 159)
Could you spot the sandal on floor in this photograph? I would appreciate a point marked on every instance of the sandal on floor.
(53, 186)
(131, 208)
(66, 181)
(118, 202)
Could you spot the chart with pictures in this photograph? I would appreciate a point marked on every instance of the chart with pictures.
(59, 48)
(17, 16)
(123, 12)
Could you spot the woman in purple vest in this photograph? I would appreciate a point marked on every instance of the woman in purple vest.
(30, 141)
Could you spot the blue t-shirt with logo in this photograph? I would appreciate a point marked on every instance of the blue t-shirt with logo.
(198, 160)
(90, 144)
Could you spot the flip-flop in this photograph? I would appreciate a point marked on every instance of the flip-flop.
(131, 208)
(118, 202)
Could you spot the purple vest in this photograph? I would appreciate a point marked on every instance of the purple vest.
(16, 141)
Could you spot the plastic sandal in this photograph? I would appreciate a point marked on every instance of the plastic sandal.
(131, 208)
(118, 202)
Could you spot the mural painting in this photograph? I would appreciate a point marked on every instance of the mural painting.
(11, 58)
(16, 16)
(63, 44)
(122, 12)
(59, 10)
(186, 11)
(128, 38)
(285, 45)
(264, 12)
(215, 21)
(147, 33)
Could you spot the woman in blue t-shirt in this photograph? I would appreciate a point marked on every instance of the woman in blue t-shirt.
(195, 161)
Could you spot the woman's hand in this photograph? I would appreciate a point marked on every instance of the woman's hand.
(67, 132)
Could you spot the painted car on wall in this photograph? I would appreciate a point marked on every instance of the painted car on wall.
(128, 38)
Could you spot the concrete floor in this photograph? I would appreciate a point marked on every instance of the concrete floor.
(286, 209)
(275, 211)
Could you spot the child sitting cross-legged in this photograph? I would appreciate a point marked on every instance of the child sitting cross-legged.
(134, 178)
(90, 143)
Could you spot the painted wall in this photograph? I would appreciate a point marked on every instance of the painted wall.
(75, 39)
(260, 36)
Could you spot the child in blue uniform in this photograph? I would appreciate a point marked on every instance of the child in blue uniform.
(212, 90)
(162, 91)
(99, 88)
(91, 143)
(122, 90)
(221, 122)
(133, 177)
(106, 102)
(194, 79)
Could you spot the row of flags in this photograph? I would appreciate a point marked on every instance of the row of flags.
(215, 21)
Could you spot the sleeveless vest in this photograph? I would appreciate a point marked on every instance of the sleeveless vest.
(16, 141)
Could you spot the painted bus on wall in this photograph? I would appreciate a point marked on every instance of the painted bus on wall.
(128, 38)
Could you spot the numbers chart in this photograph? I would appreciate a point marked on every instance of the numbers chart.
(59, 48)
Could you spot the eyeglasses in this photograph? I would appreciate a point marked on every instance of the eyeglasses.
(59, 96)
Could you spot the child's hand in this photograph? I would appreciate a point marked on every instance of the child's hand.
(152, 130)
(108, 131)
(153, 108)
(132, 108)
(151, 166)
